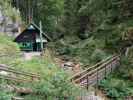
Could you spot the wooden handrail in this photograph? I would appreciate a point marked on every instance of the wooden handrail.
(90, 68)
(8, 69)
(20, 76)
(94, 70)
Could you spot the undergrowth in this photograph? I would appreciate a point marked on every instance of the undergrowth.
(119, 85)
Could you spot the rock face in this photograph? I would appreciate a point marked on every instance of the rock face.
(8, 25)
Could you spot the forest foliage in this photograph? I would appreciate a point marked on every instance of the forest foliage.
(9, 11)
(85, 30)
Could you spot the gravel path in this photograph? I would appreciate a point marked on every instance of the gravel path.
(30, 55)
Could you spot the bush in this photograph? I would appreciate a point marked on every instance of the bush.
(126, 68)
(8, 49)
(5, 96)
(53, 81)
(89, 51)
(98, 55)
(116, 88)
(7, 46)
(56, 87)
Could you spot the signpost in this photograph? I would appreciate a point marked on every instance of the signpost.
(41, 36)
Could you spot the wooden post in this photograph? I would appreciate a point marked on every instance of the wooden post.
(41, 36)
(29, 11)
(87, 82)
(105, 71)
(97, 82)
(97, 77)
(111, 67)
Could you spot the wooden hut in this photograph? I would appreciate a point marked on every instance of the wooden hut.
(29, 39)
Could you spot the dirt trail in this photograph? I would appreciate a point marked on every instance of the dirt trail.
(30, 55)
(68, 66)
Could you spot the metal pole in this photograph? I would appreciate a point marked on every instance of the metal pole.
(41, 36)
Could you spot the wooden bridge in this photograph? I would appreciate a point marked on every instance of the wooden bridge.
(94, 74)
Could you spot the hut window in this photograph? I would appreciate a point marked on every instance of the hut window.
(24, 44)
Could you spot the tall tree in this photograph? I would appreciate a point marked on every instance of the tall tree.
(48, 11)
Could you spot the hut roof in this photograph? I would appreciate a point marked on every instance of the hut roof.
(32, 25)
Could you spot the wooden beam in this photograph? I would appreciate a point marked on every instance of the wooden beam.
(41, 32)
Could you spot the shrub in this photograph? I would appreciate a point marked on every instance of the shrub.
(116, 88)
(5, 96)
(53, 81)
(8, 50)
(98, 55)
(55, 87)
(126, 68)
(7, 46)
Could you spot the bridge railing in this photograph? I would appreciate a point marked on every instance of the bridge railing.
(77, 75)
(14, 74)
(94, 74)
(17, 75)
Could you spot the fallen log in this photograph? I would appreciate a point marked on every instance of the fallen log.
(23, 90)
(19, 90)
